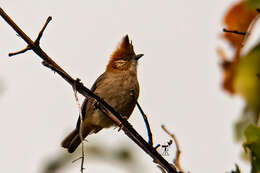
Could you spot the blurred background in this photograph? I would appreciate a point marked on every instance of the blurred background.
(179, 75)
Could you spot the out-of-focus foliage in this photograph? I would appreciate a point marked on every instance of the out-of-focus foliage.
(240, 72)
(121, 155)
(237, 18)
(253, 4)
(241, 75)
(252, 134)
(246, 83)
(246, 118)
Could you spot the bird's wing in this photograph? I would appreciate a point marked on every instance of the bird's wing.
(84, 105)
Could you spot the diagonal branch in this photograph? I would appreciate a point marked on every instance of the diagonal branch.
(129, 131)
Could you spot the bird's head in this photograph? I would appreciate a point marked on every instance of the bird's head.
(124, 57)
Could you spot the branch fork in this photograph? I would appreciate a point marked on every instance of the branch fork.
(36, 42)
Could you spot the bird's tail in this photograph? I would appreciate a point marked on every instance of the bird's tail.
(72, 141)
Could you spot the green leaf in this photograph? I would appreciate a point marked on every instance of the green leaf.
(252, 3)
(246, 83)
(252, 134)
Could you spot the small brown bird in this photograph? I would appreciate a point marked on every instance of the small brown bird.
(118, 86)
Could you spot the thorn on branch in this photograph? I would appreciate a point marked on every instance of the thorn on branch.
(48, 65)
(234, 32)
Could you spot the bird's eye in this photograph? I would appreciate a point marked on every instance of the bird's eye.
(126, 58)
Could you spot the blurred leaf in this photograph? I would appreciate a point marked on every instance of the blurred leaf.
(252, 134)
(237, 18)
(56, 163)
(124, 154)
(121, 155)
(242, 123)
(253, 4)
(246, 82)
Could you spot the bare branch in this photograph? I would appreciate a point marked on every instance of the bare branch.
(178, 151)
(36, 42)
(149, 132)
(127, 127)
(20, 51)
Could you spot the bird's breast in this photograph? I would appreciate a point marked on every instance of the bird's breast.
(121, 92)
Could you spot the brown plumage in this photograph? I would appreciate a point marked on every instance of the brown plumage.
(118, 86)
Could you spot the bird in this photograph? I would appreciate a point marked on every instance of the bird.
(118, 86)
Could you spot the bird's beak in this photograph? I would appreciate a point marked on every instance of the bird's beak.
(137, 57)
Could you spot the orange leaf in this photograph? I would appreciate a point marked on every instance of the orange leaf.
(238, 18)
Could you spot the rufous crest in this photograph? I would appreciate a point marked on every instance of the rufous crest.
(124, 51)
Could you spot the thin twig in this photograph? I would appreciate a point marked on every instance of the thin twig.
(73, 161)
(80, 127)
(36, 42)
(127, 127)
(176, 161)
(149, 132)
(19, 52)
(234, 31)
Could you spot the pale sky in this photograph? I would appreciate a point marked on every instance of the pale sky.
(179, 77)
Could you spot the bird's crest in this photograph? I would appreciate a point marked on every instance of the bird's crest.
(124, 49)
